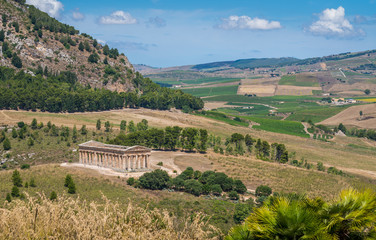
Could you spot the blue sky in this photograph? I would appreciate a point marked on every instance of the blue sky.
(165, 33)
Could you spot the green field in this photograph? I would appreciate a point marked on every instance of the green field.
(212, 91)
(278, 126)
(299, 80)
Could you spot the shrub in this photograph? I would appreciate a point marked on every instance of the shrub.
(156, 180)
(320, 166)
(263, 191)
(32, 183)
(233, 195)
(242, 211)
(160, 164)
(130, 181)
(25, 166)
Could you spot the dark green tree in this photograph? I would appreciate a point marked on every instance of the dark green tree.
(367, 91)
(192, 186)
(131, 127)
(72, 188)
(2, 35)
(130, 181)
(156, 180)
(263, 191)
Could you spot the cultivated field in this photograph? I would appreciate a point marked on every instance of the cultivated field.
(258, 90)
(351, 117)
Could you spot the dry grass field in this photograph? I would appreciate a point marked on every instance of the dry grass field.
(350, 117)
(295, 90)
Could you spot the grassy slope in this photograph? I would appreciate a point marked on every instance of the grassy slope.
(91, 185)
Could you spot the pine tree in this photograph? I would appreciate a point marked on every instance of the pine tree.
(81, 46)
(71, 188)
(16, 178)
(68, 179)
(8, 197)
(107, 125)
(15, 191)
(16, 61)
(6, 144)
(99, 124)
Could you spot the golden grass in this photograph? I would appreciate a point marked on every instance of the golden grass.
(68, 218)
(371, 100)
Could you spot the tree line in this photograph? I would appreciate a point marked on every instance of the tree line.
(62, 93)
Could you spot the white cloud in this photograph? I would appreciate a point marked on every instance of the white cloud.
(245, 22)
(77, 15)
(51, 7)
(118, 17)
(333, 23)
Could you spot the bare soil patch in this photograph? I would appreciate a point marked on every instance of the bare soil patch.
(258, 90)
(215, 105)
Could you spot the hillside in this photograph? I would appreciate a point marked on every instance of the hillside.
(42, 42)
(47, 65)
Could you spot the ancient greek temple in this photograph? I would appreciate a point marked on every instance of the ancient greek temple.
(119, 158)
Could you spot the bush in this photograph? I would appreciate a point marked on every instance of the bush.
(160, 164)
(320, 166)
(53, 196)
(25, 166)
(130, 181)
(156, 180)
(263, 191)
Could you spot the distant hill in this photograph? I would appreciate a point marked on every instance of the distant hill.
(248, 63)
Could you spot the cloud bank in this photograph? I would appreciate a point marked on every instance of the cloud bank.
(246, 22)
(118, 17)
(333, 23)
(51, 7)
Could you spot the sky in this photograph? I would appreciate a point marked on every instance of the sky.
(163, 33)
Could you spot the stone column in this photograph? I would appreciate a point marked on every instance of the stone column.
(105, 160)
(128, 162)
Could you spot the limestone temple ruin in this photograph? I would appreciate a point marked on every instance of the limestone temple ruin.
(119, 158)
